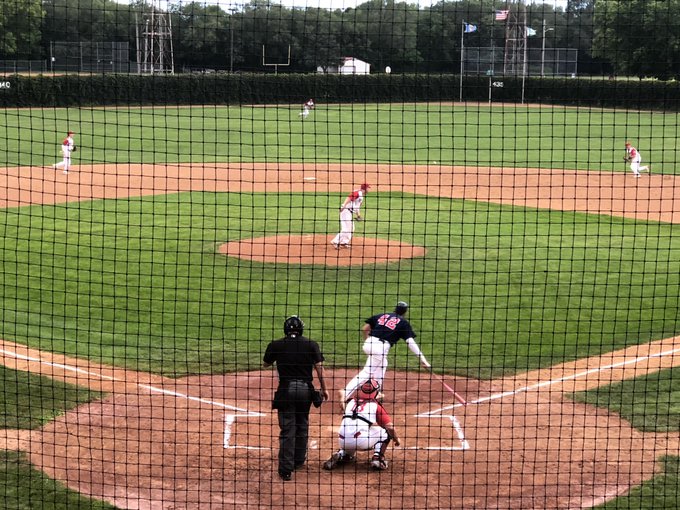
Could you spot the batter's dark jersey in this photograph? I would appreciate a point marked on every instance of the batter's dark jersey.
(390, 327)
(295, 358)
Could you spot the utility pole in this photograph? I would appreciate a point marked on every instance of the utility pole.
(543, 48)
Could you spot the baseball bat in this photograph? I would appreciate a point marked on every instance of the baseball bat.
(460, 399)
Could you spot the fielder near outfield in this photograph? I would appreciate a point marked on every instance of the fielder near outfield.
(634, 158)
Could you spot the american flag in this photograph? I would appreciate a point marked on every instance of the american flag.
(502, 15)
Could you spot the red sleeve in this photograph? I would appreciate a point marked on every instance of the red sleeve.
(353, 195)
(381, 416)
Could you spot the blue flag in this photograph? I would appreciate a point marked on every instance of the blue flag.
(469, 28)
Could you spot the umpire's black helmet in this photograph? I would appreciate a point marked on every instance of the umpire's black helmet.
(401, 308)
(293, 326)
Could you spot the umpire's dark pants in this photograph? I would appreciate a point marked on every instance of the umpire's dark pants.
(294, 424)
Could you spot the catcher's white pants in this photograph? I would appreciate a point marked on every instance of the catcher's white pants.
(346, 228)
(375, 367)
(356, 439)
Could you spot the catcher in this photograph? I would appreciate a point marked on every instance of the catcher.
(365, 425)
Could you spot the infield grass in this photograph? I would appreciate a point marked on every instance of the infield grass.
(501, 290)
(511, 136)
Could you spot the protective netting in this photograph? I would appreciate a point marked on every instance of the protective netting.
(469, 204)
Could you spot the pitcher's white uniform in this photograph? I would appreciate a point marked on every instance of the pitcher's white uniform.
(635, 159)
(66, 149)
(363, 426)
(348, 210)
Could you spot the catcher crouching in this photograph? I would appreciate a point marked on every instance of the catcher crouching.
(365, 426)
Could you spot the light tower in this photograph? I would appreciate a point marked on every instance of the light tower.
(515, 59)
(154, 50)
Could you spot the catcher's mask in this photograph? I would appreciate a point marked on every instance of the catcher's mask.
(368, 389)
(293, 326)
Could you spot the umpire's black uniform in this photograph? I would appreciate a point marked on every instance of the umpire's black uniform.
(295, 357)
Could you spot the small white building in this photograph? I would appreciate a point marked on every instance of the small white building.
(349, 65)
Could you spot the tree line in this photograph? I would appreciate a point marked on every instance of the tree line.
(632, 37)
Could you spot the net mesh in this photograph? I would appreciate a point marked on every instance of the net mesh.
(179, 179)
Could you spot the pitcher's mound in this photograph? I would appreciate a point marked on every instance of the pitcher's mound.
(317, 250)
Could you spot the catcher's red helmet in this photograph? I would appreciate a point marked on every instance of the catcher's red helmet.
(368, 390)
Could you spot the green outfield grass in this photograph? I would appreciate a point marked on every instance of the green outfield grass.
(30, 401)
(651, 404)
(502, 289)
(660, 493)
(556, 137)
(24, 487)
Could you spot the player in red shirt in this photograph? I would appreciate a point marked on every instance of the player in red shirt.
(365, 425)
(349, 211)
(634, 158)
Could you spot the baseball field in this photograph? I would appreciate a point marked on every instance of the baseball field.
(140, 290)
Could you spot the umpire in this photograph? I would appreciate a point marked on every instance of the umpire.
(295, 356)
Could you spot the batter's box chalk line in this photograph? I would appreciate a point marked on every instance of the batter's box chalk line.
(230, 419)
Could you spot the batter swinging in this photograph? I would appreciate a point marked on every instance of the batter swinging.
(381, 332)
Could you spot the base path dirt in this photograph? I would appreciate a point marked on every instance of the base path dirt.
(211, 442)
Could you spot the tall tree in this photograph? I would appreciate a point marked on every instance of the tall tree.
(20, 22)
(638, 37)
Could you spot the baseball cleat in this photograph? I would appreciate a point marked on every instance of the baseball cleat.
(378, 464)
(335, 460)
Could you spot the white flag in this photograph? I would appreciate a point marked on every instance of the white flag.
(530, 31)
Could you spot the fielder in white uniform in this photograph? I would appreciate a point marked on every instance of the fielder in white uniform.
(634, 158)
(67, 147)
(365, 425)
(349, 210)
(306, 108)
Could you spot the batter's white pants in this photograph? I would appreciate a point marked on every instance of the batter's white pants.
(375, 367)
(351, 439)
(346, 228)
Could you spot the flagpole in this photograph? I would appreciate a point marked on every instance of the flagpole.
(462, 31)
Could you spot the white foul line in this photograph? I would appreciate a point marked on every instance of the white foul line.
(148, 387)
(553, 381)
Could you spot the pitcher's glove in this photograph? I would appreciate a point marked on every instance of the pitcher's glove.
(75, 148)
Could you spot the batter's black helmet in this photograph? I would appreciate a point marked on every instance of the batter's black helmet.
(401, 308)
(293, 326)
